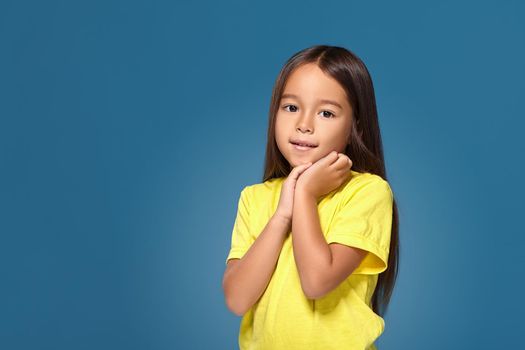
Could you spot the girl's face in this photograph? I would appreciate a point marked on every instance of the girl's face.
(313, 109)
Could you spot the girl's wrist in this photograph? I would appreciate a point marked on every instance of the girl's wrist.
(283, 222)
(302, 192)
(282, 217)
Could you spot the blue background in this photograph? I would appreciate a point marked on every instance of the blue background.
(129, 128)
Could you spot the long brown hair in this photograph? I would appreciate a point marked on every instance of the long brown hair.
(364, 148)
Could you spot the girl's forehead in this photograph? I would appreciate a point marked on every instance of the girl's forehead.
(310, 83)
(310, 78)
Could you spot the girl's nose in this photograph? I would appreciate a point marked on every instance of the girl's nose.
(304, 124)
(304, 129)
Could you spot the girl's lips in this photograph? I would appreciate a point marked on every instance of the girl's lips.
(303, 142)
(301, 148)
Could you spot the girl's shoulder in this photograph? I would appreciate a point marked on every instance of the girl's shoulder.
(365, 177)
(267, 186)
(364, 180)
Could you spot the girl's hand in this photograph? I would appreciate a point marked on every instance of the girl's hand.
(285, 206)
(325, 175)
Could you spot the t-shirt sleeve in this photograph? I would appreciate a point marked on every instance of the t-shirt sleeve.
(364, 220)
(241, 238)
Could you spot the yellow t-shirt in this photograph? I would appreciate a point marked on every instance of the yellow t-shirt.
(357, 214)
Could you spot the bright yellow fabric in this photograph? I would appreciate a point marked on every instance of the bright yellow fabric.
(357, 214)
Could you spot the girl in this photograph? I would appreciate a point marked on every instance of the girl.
(314, 247)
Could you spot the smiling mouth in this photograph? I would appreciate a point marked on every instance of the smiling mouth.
(302, 147)
(302, 143)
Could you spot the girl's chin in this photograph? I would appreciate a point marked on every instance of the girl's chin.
(296, 162)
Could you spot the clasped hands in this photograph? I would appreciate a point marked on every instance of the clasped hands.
(325, 175)
(313, 180)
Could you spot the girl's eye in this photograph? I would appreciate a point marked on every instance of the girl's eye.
(289, 106)
(330, 114)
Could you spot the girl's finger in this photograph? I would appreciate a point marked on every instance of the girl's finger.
(303, 167)
(299, 169)
(343, 162)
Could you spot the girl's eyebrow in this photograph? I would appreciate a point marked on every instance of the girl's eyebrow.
(325, 101)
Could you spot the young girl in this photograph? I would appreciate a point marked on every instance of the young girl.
(314, 248)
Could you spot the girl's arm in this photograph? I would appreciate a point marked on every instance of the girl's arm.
(246, 279)
(322, 267)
